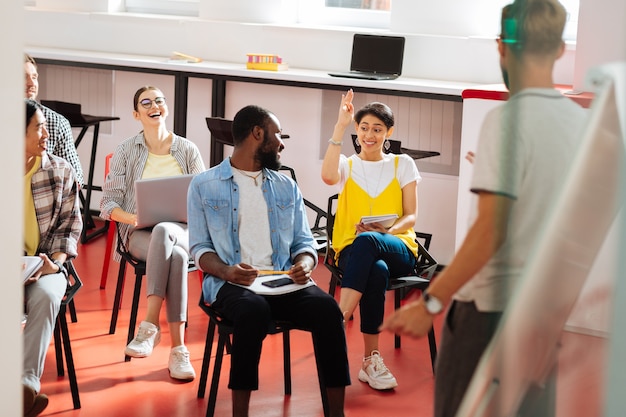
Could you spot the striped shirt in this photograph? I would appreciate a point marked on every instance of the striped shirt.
(127, 165)
(55, 193)
(61, 141)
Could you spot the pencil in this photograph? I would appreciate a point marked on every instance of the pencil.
(271, 272)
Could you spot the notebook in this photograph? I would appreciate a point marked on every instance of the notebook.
(162, 200)
(375, 57)
(385, 220)
(259, 287)
(31, 265)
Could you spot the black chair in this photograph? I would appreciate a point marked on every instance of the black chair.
(318, 229)
(224, 329)
(419, 279)
(139, 267)
(61, 333)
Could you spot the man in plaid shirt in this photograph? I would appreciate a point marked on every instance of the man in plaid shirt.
(60, 140)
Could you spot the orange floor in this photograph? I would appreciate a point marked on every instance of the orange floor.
(111, 387)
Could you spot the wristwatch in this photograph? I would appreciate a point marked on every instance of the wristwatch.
(61, 266)
(433, 304)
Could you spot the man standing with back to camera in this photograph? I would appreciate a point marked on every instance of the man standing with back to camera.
(525, 149)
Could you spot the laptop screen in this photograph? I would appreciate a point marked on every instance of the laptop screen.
(378, 54)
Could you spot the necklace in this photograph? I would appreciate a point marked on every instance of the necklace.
(254, 177)
(367, 185)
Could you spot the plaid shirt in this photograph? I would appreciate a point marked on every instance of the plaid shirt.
(61, 141)
(55, 193)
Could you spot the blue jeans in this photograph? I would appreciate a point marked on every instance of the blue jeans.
(367, 265)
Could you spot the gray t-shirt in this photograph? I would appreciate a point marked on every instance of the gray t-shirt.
(525, 150)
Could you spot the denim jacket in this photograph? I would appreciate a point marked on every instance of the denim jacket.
(212, 205)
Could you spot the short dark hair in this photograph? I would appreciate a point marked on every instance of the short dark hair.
(378, 110)
(31, 108)
(246, 119)
(533, 26)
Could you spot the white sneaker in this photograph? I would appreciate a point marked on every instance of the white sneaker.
(376, 374)
(179, 365)
(148, 336)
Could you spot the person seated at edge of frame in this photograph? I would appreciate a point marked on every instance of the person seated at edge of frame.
(371, 183)
(60, 138)
(244, 217)
(52, 226)
(154, 152)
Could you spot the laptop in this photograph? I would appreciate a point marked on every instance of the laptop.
(162, 200)
(375, 57)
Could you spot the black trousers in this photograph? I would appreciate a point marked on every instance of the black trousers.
(466, 334)
(251, 314)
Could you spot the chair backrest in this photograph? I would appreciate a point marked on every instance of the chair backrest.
(107, 165)
(74, 282)
(425, 265)
(220, 129)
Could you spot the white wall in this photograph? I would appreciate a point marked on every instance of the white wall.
(11, 221)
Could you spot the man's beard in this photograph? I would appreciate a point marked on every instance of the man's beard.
(267, 157)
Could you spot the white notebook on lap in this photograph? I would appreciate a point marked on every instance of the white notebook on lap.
(31, 265)
(263, 285)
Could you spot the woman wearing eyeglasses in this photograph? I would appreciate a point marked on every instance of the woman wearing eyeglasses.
(154, 152)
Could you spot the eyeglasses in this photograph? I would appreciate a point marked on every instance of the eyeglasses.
(146, 103)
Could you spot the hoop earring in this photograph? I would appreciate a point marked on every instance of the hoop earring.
(387, 145)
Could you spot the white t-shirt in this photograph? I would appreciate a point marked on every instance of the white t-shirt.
(375, 176)
(254, 223)
(525, 150)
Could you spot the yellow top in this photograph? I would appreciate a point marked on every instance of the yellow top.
(31, 227)
(161, 166)
(354, 202)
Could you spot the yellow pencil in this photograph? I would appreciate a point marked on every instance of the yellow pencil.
(271, 272)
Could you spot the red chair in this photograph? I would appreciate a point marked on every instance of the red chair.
(110, 227)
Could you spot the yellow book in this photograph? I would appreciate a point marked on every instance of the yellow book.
(266, 66)
(265, 62)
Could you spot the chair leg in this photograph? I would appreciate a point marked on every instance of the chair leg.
(397, 298)
(72, 307)
(133, 311)
(217, 367)
(432, 344)
(287, 361)
(206, 359)
(107, 254)
(119, 290)
(332, 287)
(69, 358)
(58, 347)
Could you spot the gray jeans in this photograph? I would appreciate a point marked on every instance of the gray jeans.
(165, 249)
(43, 300)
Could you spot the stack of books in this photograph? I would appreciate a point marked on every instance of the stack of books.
(266, 62)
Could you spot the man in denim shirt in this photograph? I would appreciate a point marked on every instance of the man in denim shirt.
(244, 217)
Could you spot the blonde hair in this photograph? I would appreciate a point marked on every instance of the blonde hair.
(533, 26)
